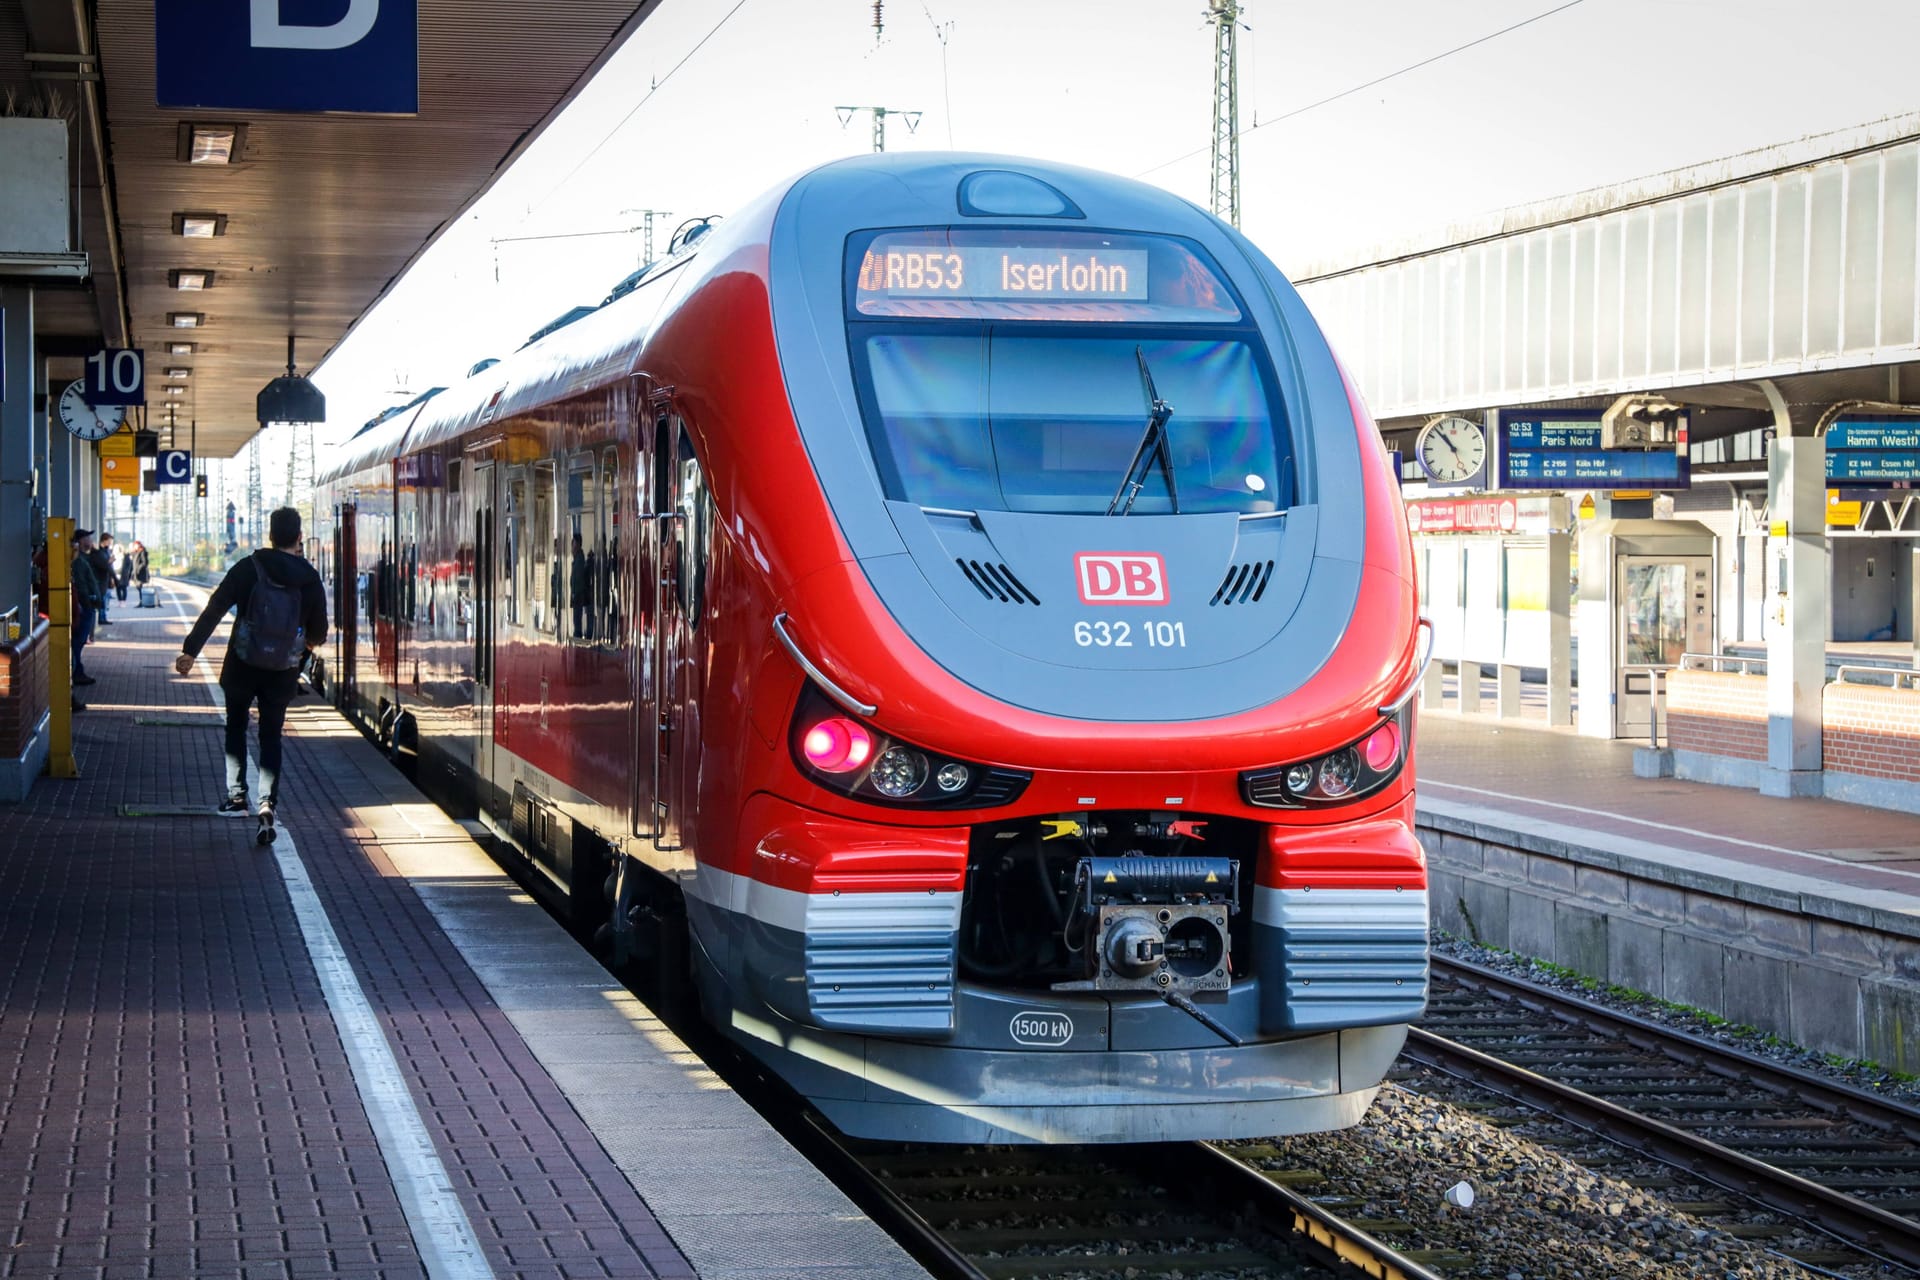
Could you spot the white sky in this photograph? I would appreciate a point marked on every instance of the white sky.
(1594, 92)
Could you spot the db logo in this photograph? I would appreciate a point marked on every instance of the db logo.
(1113, 577)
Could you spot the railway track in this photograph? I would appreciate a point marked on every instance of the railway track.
(1085, 1213)
(1826, 1154)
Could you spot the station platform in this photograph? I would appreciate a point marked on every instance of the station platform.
(362, 1051)
(1797, 916)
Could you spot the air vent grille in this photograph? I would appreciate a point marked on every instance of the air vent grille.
(996, 582)
(1244, 583)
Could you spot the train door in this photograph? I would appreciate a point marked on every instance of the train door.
(654, 739)
(481, 621)
(346, 601)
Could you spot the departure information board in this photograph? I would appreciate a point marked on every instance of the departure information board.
(1873, 449)
(1561, 449)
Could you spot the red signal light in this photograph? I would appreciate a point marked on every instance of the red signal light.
(838, 745)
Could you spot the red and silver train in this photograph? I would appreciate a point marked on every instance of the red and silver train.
(960, 603)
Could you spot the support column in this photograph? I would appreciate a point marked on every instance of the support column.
(16, 452)
(1797, 638)
(1560, 627)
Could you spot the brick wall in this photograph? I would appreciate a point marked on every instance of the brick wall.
(23, 691)
(1719, 713)
(1871, 730)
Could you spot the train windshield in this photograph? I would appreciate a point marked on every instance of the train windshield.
(993, 403)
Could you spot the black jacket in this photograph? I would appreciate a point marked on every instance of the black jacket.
(237, 588)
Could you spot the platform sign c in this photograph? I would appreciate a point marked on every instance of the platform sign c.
(175, 466)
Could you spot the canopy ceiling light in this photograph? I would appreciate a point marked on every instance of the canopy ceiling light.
(186, 319)
(175, 371)
(179, 348)
(199, 226)
(210, 143)
(190, 279)
(290, 399)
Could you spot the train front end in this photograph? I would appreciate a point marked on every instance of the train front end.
(1094, 810)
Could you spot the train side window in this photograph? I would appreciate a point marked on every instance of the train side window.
(607, 582)
(545, 588)
(514, 569)
(696, 538)
(584, 552)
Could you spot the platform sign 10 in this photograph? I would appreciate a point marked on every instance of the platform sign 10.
(1562, 449)
(1873, 449)
(115, 375)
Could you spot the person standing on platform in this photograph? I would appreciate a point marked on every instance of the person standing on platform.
(140, 574)
(102, 559)
(282, 614)
(122, 571)
(85, 597)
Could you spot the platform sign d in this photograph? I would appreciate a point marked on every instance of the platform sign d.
(289, 55)
(174, 466)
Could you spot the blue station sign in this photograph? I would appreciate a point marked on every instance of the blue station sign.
(289, 55)
(1874, 449)
(1560, 449)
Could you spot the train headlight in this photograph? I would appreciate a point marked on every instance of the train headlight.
(1354, 771)
(855, 759)
(899, 772)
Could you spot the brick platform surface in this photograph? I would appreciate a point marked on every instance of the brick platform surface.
(1526, 769)
(174, 1098)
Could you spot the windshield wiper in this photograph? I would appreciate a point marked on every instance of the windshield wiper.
(1153, 448)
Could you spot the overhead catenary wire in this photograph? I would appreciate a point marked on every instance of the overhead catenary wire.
(652, 89)
(1377, 80)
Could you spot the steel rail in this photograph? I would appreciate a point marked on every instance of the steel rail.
(894, 1215)
(1317, 1231)
(1825, 1094)
(1862, 1225)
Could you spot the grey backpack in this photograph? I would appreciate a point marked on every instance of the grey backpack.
(269, 634)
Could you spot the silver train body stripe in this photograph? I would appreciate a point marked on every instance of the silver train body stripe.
(1347, 912)
(448, 1247)
(820, 912)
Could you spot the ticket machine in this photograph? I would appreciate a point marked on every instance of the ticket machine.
(1646, 597)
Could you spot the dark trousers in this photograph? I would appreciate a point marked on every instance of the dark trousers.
(243, 685)
(82, 632)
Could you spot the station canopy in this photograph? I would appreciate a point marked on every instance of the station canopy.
(314, 215)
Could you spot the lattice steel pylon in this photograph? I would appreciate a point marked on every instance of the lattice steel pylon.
(251, 535)
(1225, 191)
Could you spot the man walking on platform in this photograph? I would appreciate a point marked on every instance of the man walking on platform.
(282, 614)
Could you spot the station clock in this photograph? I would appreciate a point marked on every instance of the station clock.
(88, 421)
(1451, 450)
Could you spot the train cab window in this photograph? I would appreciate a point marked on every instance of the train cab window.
(1019, 379)
(544, 590)
(607, 581)
(513, 554)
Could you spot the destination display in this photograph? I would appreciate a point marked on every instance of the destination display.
(1879, 449)
(1004, 273)
(1560, 449)
(1035, 274)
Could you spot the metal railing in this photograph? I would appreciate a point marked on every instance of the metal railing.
(1729, 663)
(1656, 694)
(10, 629)
(1885, 677)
